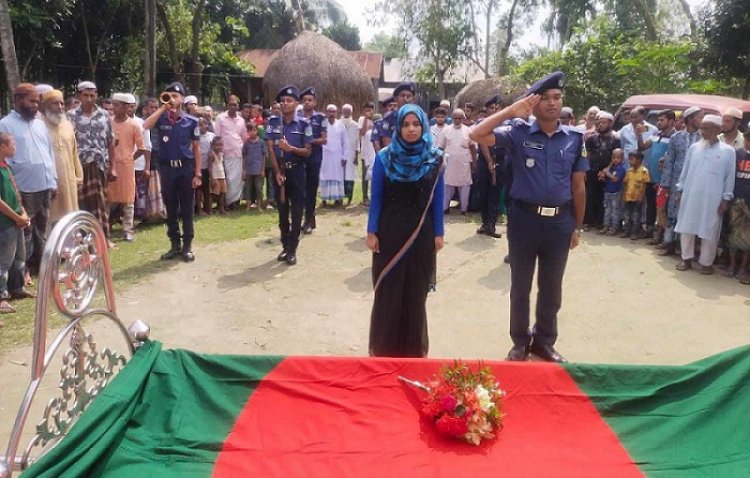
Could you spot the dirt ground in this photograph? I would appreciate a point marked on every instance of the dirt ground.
(621, 303)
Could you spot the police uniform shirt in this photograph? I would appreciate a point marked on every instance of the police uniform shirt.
(298, 133)
(317, 123)
(390, 122)
(175, 139)
(542, 166)
(377, 131)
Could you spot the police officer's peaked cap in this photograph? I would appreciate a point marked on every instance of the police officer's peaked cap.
(387, 101)
(409, 86)
(492, 100)
(308, 91)
(289, 90)
(553, 81)
(176, 87)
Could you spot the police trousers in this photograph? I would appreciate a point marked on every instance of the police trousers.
(179, 199)
(533, 238)
(312, 182)
(489, 195)
(293, 204)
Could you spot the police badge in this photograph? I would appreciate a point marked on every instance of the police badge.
(530, 162)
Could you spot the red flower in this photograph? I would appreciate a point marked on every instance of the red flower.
(451, 426)
(449, 403)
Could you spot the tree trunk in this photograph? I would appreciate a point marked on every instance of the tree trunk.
(648, 19)
(149, 62)
(173, 56)
(8, 47)
(87, 39)
(502, 67)
(196, 68)
(746, 89)
(691, 19)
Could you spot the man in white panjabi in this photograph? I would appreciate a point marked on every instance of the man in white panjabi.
(705, 189)
(333, 167)
(230, 126)
(352, 152)
(460, 153)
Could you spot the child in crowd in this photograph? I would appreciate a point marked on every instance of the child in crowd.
(203, 193)
(739, 216)
(13, 220)
(216, 171)
(635, 183)
(254, 154)
(613, 176)
(440, 116)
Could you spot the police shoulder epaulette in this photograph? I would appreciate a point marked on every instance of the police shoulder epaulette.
(191, 117)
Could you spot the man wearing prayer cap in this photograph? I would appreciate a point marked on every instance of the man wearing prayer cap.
(68, 166)
(704, 191)
(42, 88)
(191, 104)
(289, 139)
(33, 166)
(599, 148)
(179, 168)
(591, 120)
(402, 94)
(231, 127)
(129, 146)
(548, 198)
(731, 120)
(335, 155)
(352, 153)
(95, 144)
(317, 122)
(674, 161)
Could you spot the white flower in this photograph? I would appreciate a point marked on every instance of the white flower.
(484, 399)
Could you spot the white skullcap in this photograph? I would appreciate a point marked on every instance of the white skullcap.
(712, 119)
(690, 111)
(120, 97)
(41, 88)
(445, 103)
(594, 109)
(605, 115)
(131, 99)
(733, 112)
(459, 111)
(347, 107)
(190, 99)
(86, 85)
(332, 107)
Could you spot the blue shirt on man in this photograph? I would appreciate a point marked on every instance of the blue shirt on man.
(33, 165)
(542, 165)
(297, 132)
(318, 126)
(176, 137)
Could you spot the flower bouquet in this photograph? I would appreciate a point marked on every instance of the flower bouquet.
(463, 404)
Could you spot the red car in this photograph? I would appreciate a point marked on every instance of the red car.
(711, 104)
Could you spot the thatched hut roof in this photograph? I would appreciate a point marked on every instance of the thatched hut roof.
(477, 92)
(314, 60)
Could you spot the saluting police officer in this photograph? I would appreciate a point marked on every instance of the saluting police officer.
(402, 94)
(548, 202)
(178, 140)
(317, 122)
(489, 180)
(289, 138)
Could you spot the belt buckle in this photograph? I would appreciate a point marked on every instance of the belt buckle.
(547, 211)
(288, 165)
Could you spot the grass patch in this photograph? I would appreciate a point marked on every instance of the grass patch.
(134, 262)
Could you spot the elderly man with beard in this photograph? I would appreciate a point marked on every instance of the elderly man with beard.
(730, 128)
(599, 147)
(33, 166)
(95, 150)
(69, 171)
(704, 191)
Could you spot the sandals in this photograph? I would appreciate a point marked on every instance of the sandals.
(23, 294)
(745, 278)
(706, 270)
(6, 308)
(684, 265)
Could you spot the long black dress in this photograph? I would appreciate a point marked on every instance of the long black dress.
(398, 324)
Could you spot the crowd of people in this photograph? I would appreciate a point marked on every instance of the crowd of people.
(168, 159)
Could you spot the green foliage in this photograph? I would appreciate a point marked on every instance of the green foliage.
(390, 46)
(347, 36)
(605, 65)
(727, 33)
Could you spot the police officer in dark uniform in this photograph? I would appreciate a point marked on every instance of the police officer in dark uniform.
(489, 180)
(377, 125)
(402, 94)
(548, 203)
(289, 139)
(316, 120)
(179, 169)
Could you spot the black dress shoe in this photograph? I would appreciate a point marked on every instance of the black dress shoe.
(519, 353)
(282, 256)
(291, 259)
(171, 254)
(547, 353)
(493, 233)
(188, 255)
(307, 229)
(506, 259)
(482, 229)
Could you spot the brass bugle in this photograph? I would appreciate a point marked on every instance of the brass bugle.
(165, 98)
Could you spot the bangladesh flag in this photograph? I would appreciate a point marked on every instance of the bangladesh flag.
(173, 413)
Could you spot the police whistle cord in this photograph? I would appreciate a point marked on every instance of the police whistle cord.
(413, 237)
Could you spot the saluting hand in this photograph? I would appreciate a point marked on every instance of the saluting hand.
(524, 107)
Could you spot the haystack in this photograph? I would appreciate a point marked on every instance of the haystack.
(314, 60)
(477, 92)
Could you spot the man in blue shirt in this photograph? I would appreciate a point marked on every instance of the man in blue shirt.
(180, 169)
(548, 202)
(402, 94)
(289, 138)
(33, 166)
(316, 121)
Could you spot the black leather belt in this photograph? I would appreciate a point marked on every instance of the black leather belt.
(291, 164)
(545, 211)
(176, 163)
